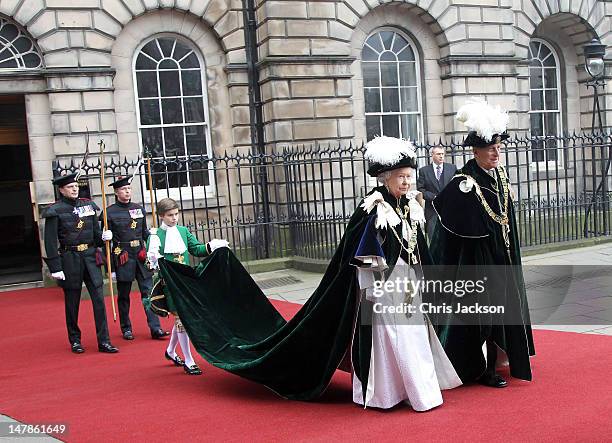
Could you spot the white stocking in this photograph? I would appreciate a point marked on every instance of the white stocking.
(173, 341)
(183, 339)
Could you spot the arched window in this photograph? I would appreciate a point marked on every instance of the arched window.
(392, 83)
(545, 96)
(17, 50)
(172, 112)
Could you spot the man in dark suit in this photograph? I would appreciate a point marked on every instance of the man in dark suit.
(431, 180)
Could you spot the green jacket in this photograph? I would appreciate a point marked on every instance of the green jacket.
(194, 247)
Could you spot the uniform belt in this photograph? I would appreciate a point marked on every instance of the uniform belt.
(80, 247)
(132, 243)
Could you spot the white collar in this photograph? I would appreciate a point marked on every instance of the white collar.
(174, 243)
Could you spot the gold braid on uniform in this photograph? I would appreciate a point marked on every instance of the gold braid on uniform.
(502, 218)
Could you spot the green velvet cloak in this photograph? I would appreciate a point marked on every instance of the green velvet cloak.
(469, 244)
(234, 327)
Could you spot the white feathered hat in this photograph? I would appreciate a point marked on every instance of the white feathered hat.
(388, 153)
(487, 124)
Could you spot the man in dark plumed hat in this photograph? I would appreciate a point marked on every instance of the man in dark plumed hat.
(128, 222)
(71, 234)
(477, 239)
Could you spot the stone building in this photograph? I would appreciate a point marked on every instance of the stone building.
(173, 75)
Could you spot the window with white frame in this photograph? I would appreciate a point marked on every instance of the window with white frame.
(17, 50)
(545, 97)
(172, 113)
(391, 82)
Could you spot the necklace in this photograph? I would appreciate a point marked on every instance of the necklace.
(501, 218)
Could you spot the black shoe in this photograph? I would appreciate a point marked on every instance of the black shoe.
(176, 360)
(107, 348)
(192, 370)
(77, 348)
(158, 334)
(493, 380)
(127, 335)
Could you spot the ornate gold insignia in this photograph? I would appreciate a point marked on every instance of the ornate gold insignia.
(80, 224)
(117, 250)
(179, 258)
(497, 139)
(133, 224)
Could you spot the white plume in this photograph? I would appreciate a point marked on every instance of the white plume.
(483, 118)
(388, 150)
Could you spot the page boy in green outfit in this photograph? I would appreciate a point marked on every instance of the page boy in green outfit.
(175, 243)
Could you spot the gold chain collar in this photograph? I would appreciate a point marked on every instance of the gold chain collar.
(502, 218)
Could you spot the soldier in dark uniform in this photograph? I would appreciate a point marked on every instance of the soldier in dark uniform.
(72, 233)
(128, 222)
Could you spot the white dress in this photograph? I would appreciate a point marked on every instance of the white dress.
(407, 361)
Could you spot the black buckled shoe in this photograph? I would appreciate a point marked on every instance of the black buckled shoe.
(176, 360)
(158, 334)
(77, 348)
(107, 348)
(493, 381)
(192, 370)
(127, 335)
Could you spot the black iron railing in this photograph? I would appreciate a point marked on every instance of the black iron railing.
(309, 192)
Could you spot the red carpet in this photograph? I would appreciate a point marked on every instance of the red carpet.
(137, 395)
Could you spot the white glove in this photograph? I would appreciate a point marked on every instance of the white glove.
(58, 275)
(152, 259)
(216, 244)
(107, 235)
(114, 276)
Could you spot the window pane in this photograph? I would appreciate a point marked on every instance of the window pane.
(194, 110)
(406, 55)
(171, 110)
(534, 49)
(9, 32)
(537, 101)
(168, 64)
(152, 141)
(169, 83)
(370, 74)
(374, 42)
(368, 54)
(31, 60)
(537, 150)
(550, 123)
(550, 78)
(549, 61)
(175, 144)
(535, 78)
(391, 125)
(196, 140)
(198, 173)
(149, 112)
(536, 125)
(410, 126)
(372, 126)
(409, 101)
(144, 62)
(372, 99)
(551, 99)
(166, 45)
(147, 84)
(388, 56)
(22, 44)
(191, 61)
(388, 74)
(390, 99)
(180, 50)
(177, 176)
(399, 44)
(387, 38)
(551, 150)
(407, 72)
(9, 64)
(151, 49)
(192, 82)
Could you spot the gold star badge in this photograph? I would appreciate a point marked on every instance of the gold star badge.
(134, 224)
(80, 224)
(117, 250)
(179, 258)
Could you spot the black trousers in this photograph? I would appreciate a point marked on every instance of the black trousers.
(72, 301)
(123, 302)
